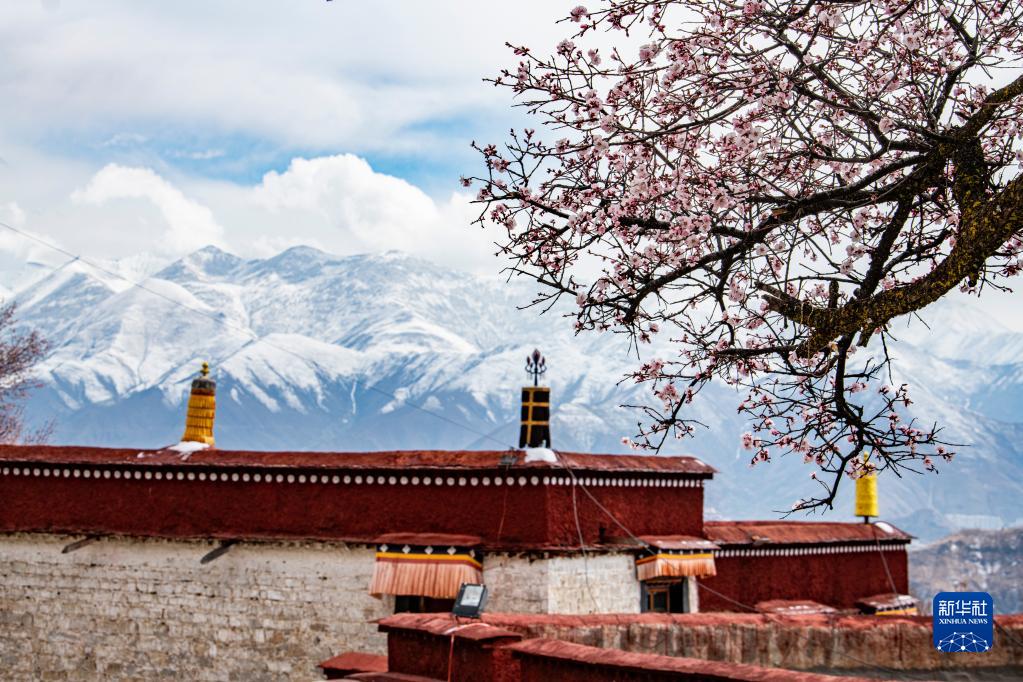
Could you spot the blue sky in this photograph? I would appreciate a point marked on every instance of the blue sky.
(155, 127)
(254, 125)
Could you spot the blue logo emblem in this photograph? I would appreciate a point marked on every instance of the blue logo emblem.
(963, 621)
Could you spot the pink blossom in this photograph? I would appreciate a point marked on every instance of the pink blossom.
(718, 185)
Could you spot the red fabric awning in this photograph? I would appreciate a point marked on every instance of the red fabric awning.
(675, 565)
(425, 565)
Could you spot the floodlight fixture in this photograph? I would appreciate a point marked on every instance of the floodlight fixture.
(470, 601)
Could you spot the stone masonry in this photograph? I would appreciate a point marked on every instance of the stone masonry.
(578, 584)
(147, 609)
(129, 608)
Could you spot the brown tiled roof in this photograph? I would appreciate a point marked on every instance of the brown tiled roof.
(525, 622)
(391, 677)
(403, 459)
(651, 664)
(355, 661)
(887, 601)
(445, 624)
(798, 532)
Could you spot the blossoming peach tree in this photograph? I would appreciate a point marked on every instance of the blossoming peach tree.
(770, 183)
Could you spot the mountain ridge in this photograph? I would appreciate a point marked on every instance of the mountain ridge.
(972, 560)
(314, 351)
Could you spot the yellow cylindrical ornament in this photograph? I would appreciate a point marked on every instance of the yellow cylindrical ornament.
(202, 409)
(866, 493)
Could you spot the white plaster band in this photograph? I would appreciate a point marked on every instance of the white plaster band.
(886, 545)
(535, 480)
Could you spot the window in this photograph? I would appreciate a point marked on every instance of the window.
(664, 596)
(414, 603)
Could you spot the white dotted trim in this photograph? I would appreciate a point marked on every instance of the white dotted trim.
(888, 546)
(518, 479)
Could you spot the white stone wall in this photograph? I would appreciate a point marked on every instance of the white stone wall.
(594, 583)
(515, 584)
(125, 608)
(146, 609)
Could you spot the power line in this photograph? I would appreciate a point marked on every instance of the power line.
(75, 257)
(222, 321)
(564, 464)
(884, 560)
(257, 338)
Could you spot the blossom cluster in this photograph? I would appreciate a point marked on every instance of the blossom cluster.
(769, 182)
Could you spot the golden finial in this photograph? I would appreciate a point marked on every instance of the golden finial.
(202, 408)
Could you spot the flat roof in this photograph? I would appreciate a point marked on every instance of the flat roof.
(389, 460)
(445, 624)
(528, 623)
(355, 661)
(636, 665)
(759, 533)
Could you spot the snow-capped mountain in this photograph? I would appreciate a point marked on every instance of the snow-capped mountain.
(990, 561)
(318, 352)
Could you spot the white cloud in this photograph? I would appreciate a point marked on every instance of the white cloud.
(189, 225)
(198, 155)
(369, 211)
(12, 214)
(126, 104)
(124, 139)
(335, 203)
(155, 94)
(307, 75)
(23, 259)
(340, 204)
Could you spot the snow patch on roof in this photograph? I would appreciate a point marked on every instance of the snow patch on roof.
(187, 448)
(540, 455)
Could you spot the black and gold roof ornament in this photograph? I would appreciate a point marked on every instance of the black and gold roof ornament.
(202, 408)
(535, 428)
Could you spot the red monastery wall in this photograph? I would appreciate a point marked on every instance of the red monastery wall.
(231, 509)
(834, 579)
(644, 511)
(342, 496)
